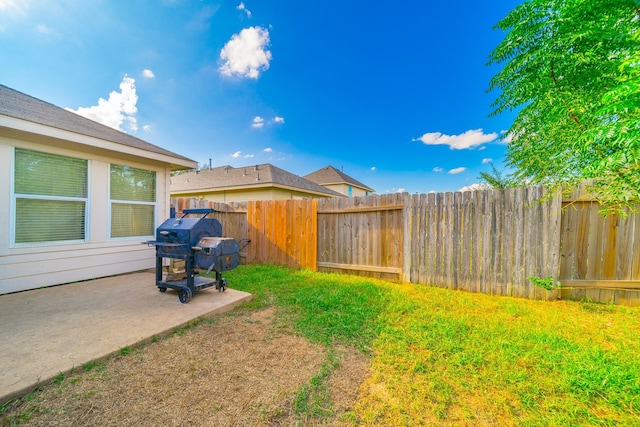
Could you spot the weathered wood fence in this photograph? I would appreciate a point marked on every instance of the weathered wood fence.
(600, 258)
(487, 241)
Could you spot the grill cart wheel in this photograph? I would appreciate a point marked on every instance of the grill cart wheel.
(184, 295)
(161, 289)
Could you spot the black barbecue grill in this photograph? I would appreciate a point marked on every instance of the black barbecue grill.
(199, 242)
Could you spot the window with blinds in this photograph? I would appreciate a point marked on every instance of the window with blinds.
(132, 201)
(50, 198)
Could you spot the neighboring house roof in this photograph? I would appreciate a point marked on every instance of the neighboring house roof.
(228, 178)
(330, 175)
(24, 107)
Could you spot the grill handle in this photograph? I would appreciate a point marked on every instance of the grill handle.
(205, 211)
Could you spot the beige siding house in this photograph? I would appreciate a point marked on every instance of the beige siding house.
(258, 182)
(77, 197)
(332, 178)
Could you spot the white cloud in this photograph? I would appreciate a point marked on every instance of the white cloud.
(437, 169)
(248, 156)
(396, 190)
(474, 187)
(469, 139)
(146, 128)
(236, 154)
(267, 150)
(202, 21)
(258, 122)
(148, 74)
(245, 55)
(241, 6)
(456, 171)
(43, 29)
(373, 168)
(486, 160)
(506, 139)
(120, 107)
(8, 6)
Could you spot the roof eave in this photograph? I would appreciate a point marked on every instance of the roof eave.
(350, 183)
(254, 186)
(175, 162)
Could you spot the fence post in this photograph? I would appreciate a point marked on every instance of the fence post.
(406, 238)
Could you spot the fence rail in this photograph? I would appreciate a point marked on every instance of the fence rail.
(486, 241)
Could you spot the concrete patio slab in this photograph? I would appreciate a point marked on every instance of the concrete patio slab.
(45, 332)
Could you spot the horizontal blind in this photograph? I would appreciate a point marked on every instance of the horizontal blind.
(138, 188)
(50, 197)
(131, 220)
(136, 185)
(40, 220)
(47, 174)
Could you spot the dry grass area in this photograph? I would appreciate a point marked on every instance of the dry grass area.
(238, 370)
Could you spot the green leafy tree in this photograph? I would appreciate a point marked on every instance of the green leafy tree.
(497, 178)
(571, 72)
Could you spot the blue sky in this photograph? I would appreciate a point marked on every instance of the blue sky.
(393, 93)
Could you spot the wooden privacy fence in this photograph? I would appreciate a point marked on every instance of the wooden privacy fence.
(487, 241)
(484, 241)
(600, 258)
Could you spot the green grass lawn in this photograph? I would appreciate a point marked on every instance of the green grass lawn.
(441, 357)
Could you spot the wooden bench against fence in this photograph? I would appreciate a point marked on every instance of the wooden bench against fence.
(487, 241)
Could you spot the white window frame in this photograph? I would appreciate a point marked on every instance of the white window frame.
(15, 196)
(132, 202)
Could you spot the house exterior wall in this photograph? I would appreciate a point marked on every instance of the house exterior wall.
(243, 195)
(344, 189)
(40, 265)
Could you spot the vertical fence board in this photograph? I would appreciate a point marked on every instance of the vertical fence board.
(507, 242)
(568, 238)
(554, 233)
(635, 251)
(465, 240)
(485, 273)
(594, 245)
(624, 243)
(530, 219)
(583, 223)
(609, 242)
(457, 236)
(517, 273)
(440, 238)
(497, 224)
(432, 239)
(422, 244)
(413, 240)
(478, 243)
(447, 239)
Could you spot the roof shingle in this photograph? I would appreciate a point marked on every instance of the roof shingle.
(225, 177)
(331, 175)
(21, 106)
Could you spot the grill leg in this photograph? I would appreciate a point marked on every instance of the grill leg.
(190, 261)
(158, 270)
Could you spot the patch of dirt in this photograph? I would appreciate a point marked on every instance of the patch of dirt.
(345, 381)
(230, 371)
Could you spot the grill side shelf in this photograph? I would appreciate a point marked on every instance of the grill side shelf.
(167, 244)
